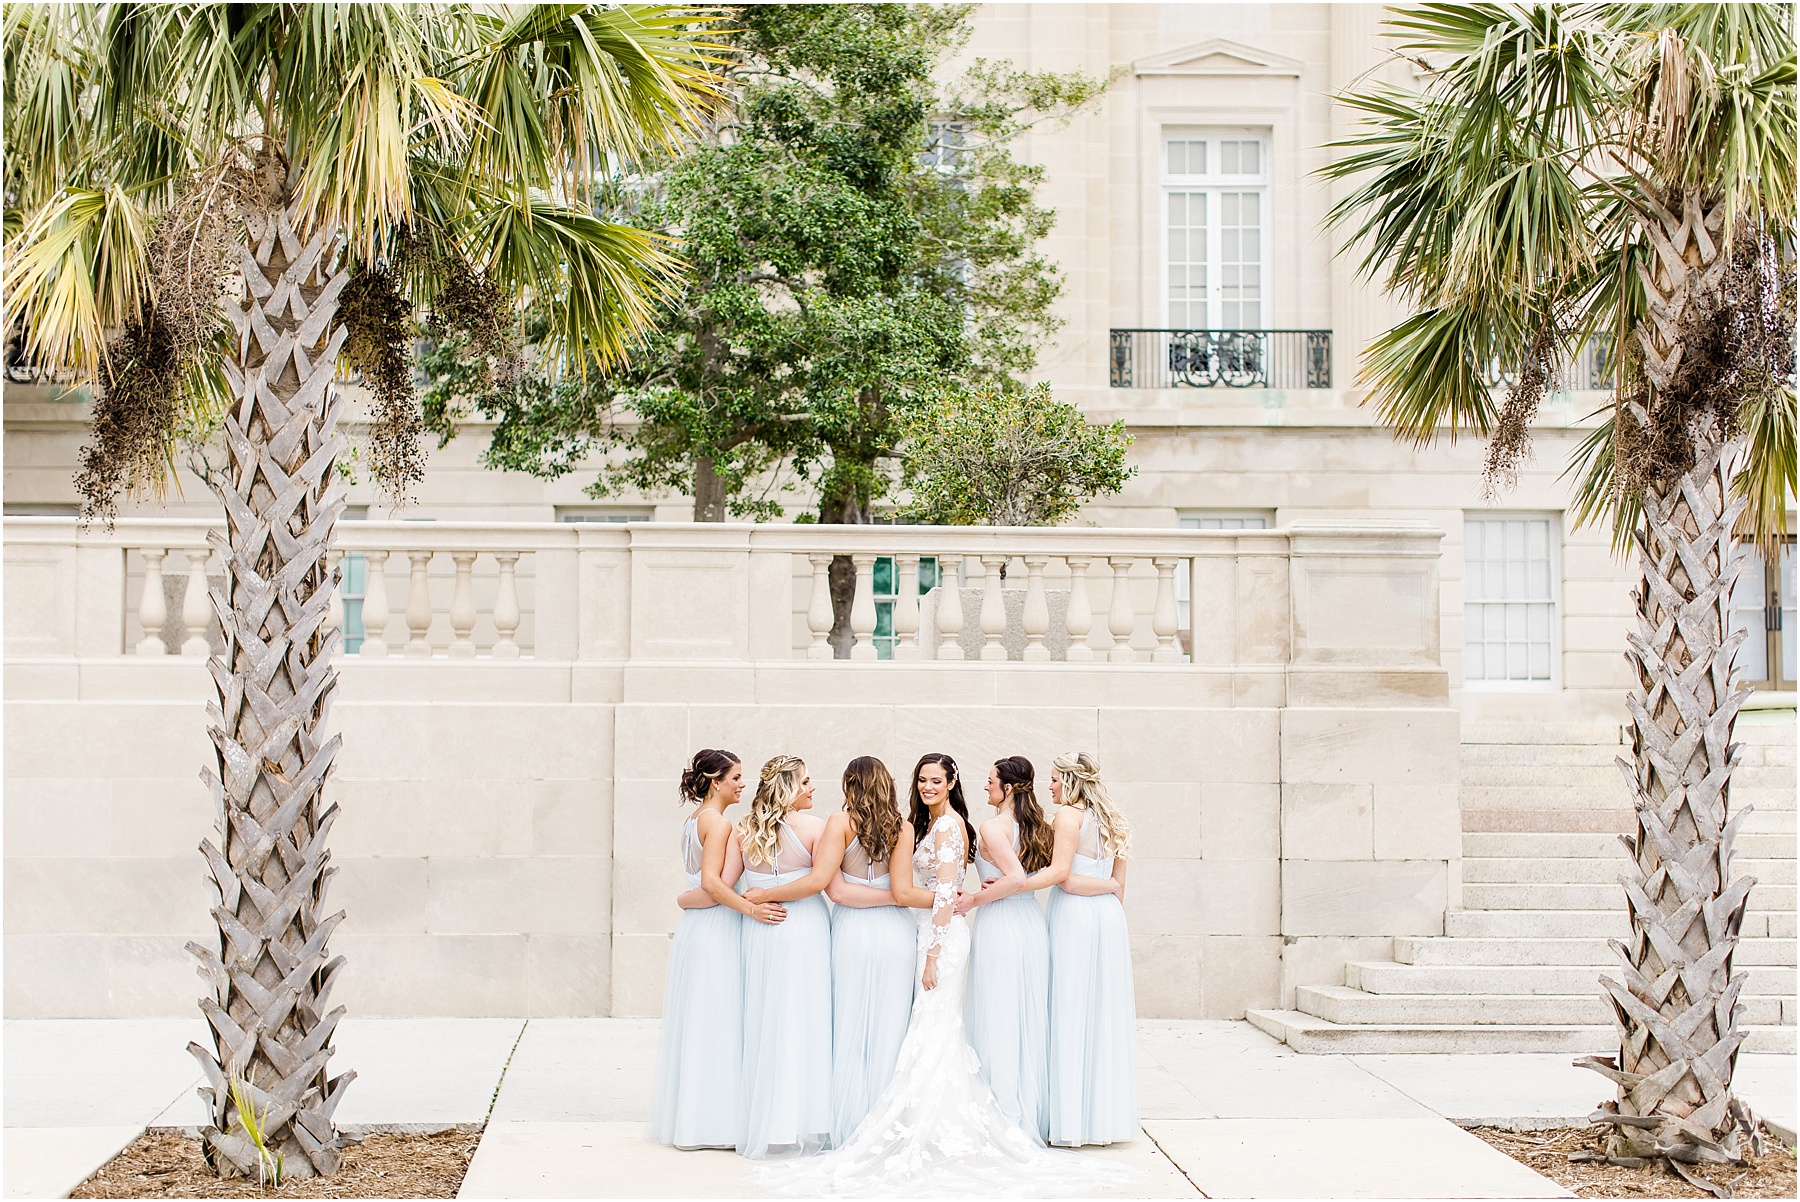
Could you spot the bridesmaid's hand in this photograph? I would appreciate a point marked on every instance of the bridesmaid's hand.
(929, 980)
(964, 903)
(754, 895)
(769, 913)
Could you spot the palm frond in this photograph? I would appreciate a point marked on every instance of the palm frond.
(1430, 373)
(602, 280)
(78, 268)
(1766, 475)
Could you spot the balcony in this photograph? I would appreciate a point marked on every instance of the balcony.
(1277, 359)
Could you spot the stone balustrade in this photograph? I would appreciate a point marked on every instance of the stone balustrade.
(1272, 609)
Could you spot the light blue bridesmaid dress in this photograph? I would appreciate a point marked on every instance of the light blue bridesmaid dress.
(1093, 1017)
(1007, 1007)
(694, 1098)
(784, 1086)
(872, 984)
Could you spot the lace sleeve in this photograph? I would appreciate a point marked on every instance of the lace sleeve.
(946, 871)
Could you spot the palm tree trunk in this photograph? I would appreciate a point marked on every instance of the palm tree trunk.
(270, 972)
(1676, 1008)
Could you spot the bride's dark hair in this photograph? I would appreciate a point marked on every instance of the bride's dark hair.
(921, 814)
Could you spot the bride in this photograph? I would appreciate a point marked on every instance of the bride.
(936, 1129)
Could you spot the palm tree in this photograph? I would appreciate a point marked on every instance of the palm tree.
(214, 208)
(1621, 173)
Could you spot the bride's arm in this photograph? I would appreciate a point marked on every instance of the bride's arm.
(946, 870)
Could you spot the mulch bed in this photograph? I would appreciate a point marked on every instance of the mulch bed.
(167, 1164)
(1770, 1175)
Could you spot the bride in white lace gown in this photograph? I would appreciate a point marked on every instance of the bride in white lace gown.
(936, 1130)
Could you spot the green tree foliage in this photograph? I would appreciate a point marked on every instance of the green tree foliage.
(857, 234)
(1007, 458)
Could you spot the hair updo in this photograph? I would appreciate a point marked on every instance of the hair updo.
(1082, 786)
(707, 768)
(1036, 839)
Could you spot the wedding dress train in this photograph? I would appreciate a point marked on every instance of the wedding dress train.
(937, 1130)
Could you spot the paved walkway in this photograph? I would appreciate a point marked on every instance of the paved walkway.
(1228, 1112)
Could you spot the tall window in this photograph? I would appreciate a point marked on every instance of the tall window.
(1762, 604)
(1509, 599)
(1215, 212)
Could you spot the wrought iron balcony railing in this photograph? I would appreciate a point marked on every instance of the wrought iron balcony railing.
(1221, 358)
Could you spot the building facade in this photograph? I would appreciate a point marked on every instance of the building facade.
(1303, 827)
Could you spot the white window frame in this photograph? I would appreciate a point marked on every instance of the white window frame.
(603, 514)
(1195, 519)
(1553, 544)
(1212, 183)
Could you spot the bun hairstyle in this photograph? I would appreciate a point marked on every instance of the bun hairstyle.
(1036, 839)
(872, 805)
(921, 813)
(760, 829)
(1082, 786)
(707, 768)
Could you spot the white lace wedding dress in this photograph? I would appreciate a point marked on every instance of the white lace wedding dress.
(936, 1130)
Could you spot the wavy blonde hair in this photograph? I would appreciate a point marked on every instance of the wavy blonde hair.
(760, 830)
(1082, 786)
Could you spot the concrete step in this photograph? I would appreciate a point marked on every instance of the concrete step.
(1503, 794)
(1537, 817)
(1477, 756)
(1559, 870)
(1387, 976)
(1606, 734)
(1342, 1004)
(1440, 949)
(1307, 1033)
(1776, 926)
(1571, 870)
(1603, 779)
(1538, 924)
(1595, 896)
(1595, 845)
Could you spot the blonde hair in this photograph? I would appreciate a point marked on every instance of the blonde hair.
(760, 829)
(1082, 786)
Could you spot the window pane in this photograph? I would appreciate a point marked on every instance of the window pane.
(1786, 585)
(1250, 157)
(883, 574)
(928, 574)
(1509, 602)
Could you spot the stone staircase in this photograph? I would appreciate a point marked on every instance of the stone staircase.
(1516, 968)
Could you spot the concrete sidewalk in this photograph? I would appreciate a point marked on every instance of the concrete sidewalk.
(1228, 1112)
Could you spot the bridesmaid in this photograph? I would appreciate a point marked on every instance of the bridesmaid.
(863, 860)
(1093, 1037)
(694, 1094)
(784, 1086)
(1007, 1007)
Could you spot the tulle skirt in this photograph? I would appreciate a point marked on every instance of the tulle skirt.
(935, 1131)
(872, 954)
(694, 1096)
(1007, 1009)
(784, 1090)
(1093, 1016)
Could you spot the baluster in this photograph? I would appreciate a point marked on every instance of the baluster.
(1122, 616)
(1080, 618)
(462, 606)
(334, 612)
(506, 606)
(818, 613)
(906, 607)
(949, 608)
(153, 607)
(1165, 621)
(1036, 618)
(375, 604)
(195, 610)
(862, 608)
(993, 608)
(418, 606)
